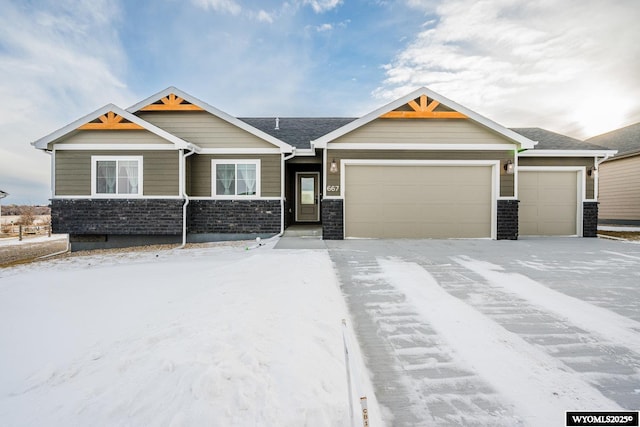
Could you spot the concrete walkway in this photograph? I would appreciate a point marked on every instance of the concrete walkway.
(537, 293)
(302, 237)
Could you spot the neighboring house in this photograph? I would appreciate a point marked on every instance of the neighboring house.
(619, 177)
(173, 168)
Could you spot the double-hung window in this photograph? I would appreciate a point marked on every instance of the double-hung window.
(235, 178)
(113, 176)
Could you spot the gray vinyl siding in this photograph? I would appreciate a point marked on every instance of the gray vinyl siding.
(564, 161)
(199, 173)
(506, 181)
(204, 129)
(431, 131)
(114, 137)
(619, 189)
(160, 176)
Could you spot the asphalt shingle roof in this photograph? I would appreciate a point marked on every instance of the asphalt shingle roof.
(298, 131)
(548, 140)
(626, 140)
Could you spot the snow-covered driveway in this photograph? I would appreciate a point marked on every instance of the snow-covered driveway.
(495, 332)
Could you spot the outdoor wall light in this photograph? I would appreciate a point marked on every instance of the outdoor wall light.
(509, 167)
(333, 168)
(592, 171)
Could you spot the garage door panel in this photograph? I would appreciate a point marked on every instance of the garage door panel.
(418, 201)
(548, 203)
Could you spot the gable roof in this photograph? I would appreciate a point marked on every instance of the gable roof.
(72, 128)
(548, 140)
(626, 140)
(298, 131)
(284, 147)
(552, 144)
(523, 141)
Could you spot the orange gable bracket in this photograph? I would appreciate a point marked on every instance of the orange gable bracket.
(423, 111)
(110, 121)
(172, 103)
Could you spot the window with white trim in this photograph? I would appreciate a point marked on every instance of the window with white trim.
(235, 178)
(116, 176)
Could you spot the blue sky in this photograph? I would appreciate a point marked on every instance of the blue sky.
(570, 66)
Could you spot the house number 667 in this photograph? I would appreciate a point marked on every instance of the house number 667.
(333, 188)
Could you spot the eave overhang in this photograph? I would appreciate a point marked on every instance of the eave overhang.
(144, 104)
(523, 142)
(80, 125)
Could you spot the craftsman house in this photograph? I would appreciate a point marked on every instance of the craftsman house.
(619, 177)
(173, 168)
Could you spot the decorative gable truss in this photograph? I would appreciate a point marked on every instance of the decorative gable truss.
(423, 108)
(110, 121)
(110, 117)
(171, 102)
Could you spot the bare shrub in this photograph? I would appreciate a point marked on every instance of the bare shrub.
(27, 215)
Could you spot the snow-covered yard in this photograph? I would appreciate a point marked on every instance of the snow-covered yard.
(454, 332)
(217, 335)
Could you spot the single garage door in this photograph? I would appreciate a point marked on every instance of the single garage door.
(548, 203)
(418, 201)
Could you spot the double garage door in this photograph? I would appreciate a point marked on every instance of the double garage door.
(415, 201)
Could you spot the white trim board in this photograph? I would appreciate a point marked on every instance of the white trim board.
(419, 146)
(119, 196)
(235, 198)
(240, 151)
(567, 153)
(119, 147)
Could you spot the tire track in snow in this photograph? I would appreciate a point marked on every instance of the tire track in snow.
(605, 323)
(537, 384)
(416, 377)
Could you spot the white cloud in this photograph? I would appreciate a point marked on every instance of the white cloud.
(565, 65)
(424, 5)
(324, 27)
(56, 65)
(320, 6)
(225, 6)
(263, 16)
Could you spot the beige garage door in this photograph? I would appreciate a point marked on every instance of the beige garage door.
(548, 203)
(418, 201)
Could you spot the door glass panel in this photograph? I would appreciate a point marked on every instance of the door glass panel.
(307, 191)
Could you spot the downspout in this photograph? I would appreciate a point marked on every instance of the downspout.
(282, 176)
(185, 196)
(596, 185)
(53, 193)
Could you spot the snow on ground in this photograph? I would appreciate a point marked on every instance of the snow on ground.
(587, 316)
(13, 241)
(630, 228)
(511, 362)
(486, 333)
(218, 336)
